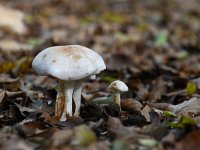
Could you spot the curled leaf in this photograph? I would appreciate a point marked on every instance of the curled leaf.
(169, 114)
(182, 122)
(192, 105)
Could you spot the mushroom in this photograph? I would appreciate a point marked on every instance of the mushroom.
(70, 64)
(117, 87)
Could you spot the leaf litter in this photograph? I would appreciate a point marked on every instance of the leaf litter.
(152, 46)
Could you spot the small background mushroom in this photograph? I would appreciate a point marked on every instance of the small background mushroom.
(117, 87)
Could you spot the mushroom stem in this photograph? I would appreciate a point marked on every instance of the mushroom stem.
(77, 96)
(67, 104)
(117, 98)
(60, 99)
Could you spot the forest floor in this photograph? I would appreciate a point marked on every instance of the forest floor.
(153, 46)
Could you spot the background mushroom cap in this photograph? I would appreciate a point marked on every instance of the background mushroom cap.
(70, 62)
(118, 86)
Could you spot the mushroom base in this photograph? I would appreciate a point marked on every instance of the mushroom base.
(60, 99)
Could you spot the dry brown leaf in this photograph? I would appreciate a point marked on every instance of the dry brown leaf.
(15, 113)
(2, 94)
(157, 89)
(191, 105)
(169, 140)
(197, 120)
(118, 61)
(189, 142)
(5, 79)
(11, 141)
(31, 128)
(10, 84)
(115, 126)
(12, 19)
(161, 106)
(84, 136)
(62, 137)
(145, 112)
(197, 81)
(102, 145)
(131, 105)
(9, 45)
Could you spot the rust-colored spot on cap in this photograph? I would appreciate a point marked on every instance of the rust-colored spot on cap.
(44, 56)
(76, 57)
(54, 61)
(67, 50)
(70, 51)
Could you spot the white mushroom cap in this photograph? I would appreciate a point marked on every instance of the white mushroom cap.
(118, 86)
(70, 62)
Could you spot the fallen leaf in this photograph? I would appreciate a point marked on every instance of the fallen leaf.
(99, 145)
(156, 130)
(16, 113)
(62, 137)
(190, 141)
(10, 84)
(125, 39)
(157, 89)
(116, 126)
(72, 121)
(84, 135)
(191, 88)
(33, 42)
(131, 105)
(169, 114)
(197, 81)
(150, 143)
(119, 145)
(9, 45)
(145, 112)
(9, 140)
(91, 112)
(189, 106)
(31, 128)
(112, 109)
(2, 94)
(169, 140)
(103, 100)
(113, 17)
(119, 61)
(136, 119)
(182, 122)
(12, 19)
(161, 39)
(22, 65)
(192, 105)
